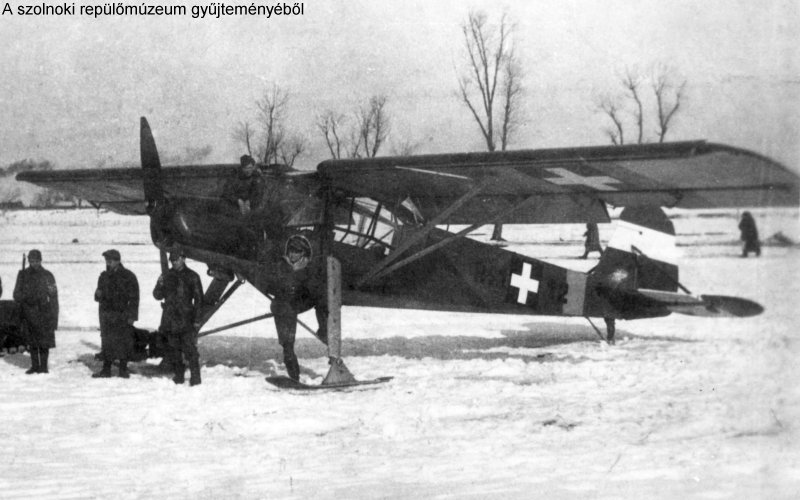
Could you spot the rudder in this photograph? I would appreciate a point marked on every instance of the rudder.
(641, 253)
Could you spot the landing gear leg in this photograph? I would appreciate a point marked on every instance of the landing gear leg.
(610, 330)
(338, 373)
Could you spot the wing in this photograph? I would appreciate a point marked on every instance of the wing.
(121, 190)
(568, 185)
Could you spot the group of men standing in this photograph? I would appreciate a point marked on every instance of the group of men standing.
(117, 294)
(181, 291)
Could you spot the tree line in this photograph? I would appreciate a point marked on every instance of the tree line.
(489, 84)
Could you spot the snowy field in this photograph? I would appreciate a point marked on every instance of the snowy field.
(481, 406)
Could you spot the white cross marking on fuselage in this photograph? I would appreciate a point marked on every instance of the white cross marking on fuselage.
(599, 182)
(525, 283)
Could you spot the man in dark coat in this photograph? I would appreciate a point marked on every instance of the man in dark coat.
(592, 243)
(37, 294)
(244, 190)
(118, 295)
(301, 287)
(242, 195)
(749, 235)
(182, 292)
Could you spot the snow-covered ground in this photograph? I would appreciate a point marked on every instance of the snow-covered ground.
(481, 406)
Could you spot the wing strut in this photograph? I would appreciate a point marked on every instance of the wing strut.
(425, 251)
(430, 226)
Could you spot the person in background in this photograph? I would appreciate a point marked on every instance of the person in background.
(749, 235)
(37, 294)
(118, 296)
(182, 292)
(592, 243)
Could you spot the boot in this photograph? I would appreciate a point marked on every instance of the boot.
(105, 372)
(180, 373)
(123, 369)
(194, 372)
(35, 365)
(293, 369)
(292, 366)
(44, 354)
(290, 361)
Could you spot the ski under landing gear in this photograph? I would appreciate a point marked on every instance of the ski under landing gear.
(338, 376)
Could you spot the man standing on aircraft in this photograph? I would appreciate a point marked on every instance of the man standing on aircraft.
(118, 296)
(182, 292)
(37, 294)
(300, 289)
(244, 190)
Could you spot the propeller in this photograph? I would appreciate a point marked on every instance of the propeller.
(153, 186)
(151, 167)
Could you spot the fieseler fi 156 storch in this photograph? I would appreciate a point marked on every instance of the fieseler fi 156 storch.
(376, 227)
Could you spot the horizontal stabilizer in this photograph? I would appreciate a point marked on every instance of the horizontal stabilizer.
(717, 306)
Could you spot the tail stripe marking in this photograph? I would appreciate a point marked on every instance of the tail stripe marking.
(575, 293)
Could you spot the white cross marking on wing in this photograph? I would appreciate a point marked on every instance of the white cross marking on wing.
(566, 177)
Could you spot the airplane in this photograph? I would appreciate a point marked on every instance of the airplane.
(379, 228)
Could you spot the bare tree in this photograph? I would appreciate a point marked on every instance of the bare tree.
(611, 107)
(405, 147)
(666, 99)
(269, 141)
(663, 88)
(492, 71)
(359, 137)
(632, 81)
(244, 133)
(511, 94)
(290, 149)
(271, 113)
(373, 126)
(331, 125)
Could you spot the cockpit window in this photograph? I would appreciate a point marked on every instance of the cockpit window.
(370, 225)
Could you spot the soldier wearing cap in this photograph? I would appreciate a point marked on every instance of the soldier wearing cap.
(37, 294)
(244, 190)
(118, 296)
(182, 292)
(301, 286)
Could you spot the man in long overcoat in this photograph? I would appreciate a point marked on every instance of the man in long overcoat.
(182, 292)
(592, 242)
(37, 294)
(118, 295)
(749, 235)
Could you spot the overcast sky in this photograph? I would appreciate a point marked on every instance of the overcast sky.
(72, 89)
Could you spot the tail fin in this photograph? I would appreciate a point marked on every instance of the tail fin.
(641, 253)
